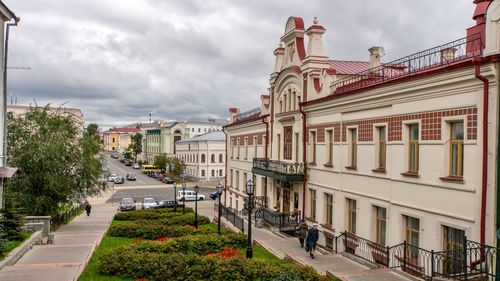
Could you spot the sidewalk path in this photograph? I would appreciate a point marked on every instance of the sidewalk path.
(338, 265)
(73, 246)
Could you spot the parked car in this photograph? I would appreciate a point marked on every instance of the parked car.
(160, 177)
(214, 195)
(115, 156)
(149, 203)
(119, 180)
(131, 177)
(168, 204)
(190, 195)
(112, 177)
(127, 204)
(167, 180)
(136, 166)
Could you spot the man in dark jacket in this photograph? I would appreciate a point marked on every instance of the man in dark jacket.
(88, 207)
(312, 239)
(302, 230)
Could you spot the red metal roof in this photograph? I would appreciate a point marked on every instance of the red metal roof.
(349, 67)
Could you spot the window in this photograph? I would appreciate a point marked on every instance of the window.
(329, 148)
(255, 147)
(202, 173)
(312, 143)
(312, 198)
(246, 148)
(288, 142)
(380, 225)
(353, 148)
(238, 144)
(237, 182)
(244, 179)
(220, 173)
(213, 173)
(221, 158)
(192, 130)
(264, 146)
(328, 209)
(296, 147)
(279, 145)
(199, 130)
(203, 158)
(413, 149)
(232, 148)
(453, 245)
(231, 178)
(212, 158)
(351, 216)
(457, 149)
(412, 236)
(381, 148)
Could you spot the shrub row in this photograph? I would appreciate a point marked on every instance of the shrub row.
(197, 244)
(152, 230)
(157, 266)
(149, 214)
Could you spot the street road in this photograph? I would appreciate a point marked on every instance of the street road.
(144, 186)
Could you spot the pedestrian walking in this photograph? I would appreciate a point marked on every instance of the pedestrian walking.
(302, 230)
(312, 239)
(88, 207)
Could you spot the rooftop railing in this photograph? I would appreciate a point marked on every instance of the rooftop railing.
(448, 54)
(246, 114)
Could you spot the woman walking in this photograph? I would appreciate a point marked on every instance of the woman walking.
(302, 230)
(312, 240)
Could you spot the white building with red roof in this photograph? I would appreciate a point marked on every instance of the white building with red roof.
(384, 151)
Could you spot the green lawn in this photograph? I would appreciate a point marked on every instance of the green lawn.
(107, 243)
(261, 253)
(11, 245)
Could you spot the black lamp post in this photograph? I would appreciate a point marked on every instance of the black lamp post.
(183, 198)
(220, 188)
(250, 185)
(175, 197)
(196, 189)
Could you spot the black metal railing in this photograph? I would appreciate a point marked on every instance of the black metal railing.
(247, 114)
(257, 201)
(279, 166)
(231, 216)
(278, 219)
(57, 220)
(469, 261)
(444, 55)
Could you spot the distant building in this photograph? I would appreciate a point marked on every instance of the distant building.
(204, 156)
(118, 139)
(161, 140)
(199, 126)
(74, 113)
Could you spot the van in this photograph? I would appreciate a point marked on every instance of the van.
(190, 195)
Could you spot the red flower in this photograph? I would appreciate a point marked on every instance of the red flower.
(227, 253)
(162, 238)
(141, 279)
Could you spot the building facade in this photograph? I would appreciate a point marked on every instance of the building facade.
(162, 139)
(200, 126)
(398, 151)
(204, 156)
(118, 139)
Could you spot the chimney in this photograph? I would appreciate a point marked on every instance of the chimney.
(315, 45)
(280, 54)
(375, 53)
(448, 54)
(233, 112)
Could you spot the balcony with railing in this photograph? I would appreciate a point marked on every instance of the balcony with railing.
(280, 170)
(446, 55)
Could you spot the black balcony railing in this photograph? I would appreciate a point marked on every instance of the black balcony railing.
(470, 261)
(448, 54)
(285, 171)
(278, 219)
(257, 202)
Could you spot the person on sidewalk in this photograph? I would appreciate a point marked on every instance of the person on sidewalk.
(302, 230)
(88, 207)
(312, 240)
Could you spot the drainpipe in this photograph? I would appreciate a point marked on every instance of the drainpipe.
(6, 55)
(225, 173)
(498, 181)
(304, 150)
(267, 135)
(485, 150)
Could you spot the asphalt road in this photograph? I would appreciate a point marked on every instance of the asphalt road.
(144, 186)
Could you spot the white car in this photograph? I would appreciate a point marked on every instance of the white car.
(112, 177)
(149, 203)
(136, 166)
(190, 196)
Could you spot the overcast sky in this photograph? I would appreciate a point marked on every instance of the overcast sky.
(118, 60)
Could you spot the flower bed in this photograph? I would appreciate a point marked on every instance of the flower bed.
(152, 230)
(149, 214)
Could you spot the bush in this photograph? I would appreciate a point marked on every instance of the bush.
(149, 214)
(156, 266)
(152, 230)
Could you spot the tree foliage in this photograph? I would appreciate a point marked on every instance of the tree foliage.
(172, 165)
(135, 146)
(58, 163)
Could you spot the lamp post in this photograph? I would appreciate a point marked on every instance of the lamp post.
(184, 198)
(196, 189)
(250, 185)
(175, 197)
(220, 188)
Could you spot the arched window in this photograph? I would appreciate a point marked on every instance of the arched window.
(203, 158)
(221, 159)
(212, 158)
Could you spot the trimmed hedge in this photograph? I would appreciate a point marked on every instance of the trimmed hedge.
(155, 266)
(152, 230)
(150, 214)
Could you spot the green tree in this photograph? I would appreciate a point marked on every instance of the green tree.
(135, 146)
(127, 154)
(58, 163)
(175, 167)
(161, 161)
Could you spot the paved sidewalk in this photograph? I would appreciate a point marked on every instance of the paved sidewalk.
(336, 264)
(73, 246)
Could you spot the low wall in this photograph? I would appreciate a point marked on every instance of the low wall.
(17, 253)
(44, 219)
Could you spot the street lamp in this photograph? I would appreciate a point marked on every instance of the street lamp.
(175, 197)
(220, 188)
(196, 189)
(184, 198)
(250, 185)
